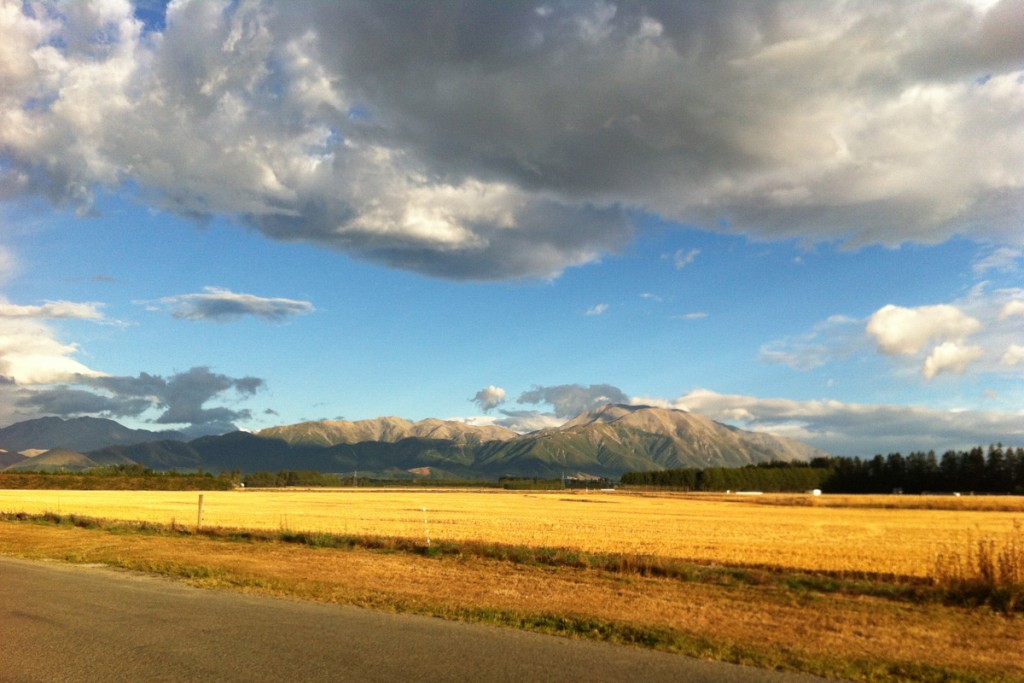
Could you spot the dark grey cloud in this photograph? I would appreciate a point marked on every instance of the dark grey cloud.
(187, 392)
(182, 396)
(484, 140)
(66, 401)
(697, 111)
(222, 305)
(514, 236)
(569, 400)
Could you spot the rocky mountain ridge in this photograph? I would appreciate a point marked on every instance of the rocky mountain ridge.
(386, 429)
(604, 442)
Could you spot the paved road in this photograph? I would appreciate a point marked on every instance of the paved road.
(73, 623)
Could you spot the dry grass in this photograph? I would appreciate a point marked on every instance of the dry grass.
(829, 535)
(989, 567)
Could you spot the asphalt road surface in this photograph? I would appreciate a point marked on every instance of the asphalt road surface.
(73, 623)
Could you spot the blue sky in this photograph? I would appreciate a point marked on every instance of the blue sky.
(781, 216)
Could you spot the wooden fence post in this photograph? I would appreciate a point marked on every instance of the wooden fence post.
(199, 519)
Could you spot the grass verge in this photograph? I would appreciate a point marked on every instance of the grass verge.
(982, 575)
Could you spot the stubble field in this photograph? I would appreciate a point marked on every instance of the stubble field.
(899, 536)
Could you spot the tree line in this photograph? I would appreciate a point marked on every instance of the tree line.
(993, 470)
(116, 478)
(775, 477)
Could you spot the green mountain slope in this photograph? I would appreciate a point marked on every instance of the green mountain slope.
(156, 455)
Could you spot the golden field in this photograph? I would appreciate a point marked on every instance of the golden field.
(848, 630)
(831, 534)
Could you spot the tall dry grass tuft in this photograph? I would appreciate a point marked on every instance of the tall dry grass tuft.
(988, 571)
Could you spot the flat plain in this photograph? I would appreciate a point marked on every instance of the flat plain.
(836, 586)
(891, 535)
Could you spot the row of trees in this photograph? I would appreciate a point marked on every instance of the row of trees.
(115, 478)
(313, 478)
(769, 477)
(297, 478)
(995, 470)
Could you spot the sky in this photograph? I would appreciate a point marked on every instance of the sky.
(800, 217)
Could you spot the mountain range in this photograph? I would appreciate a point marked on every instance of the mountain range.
(601, 443)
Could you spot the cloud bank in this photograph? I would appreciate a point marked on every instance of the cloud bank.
(481, 140)
(857, 429)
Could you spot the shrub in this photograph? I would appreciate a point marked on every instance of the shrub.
(988, 571)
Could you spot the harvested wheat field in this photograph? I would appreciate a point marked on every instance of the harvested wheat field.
(826, 536)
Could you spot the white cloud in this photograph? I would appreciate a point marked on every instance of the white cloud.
(697, 315)
(53, 310)
(497, 141)
(683, 258)
(1012, 308)
(597, 309)
(1014, 355)
(836, 337)
(30, 353)
(932, 339)
(524, 421)
(8, 264)
(489, 398)
(905, 331)
(1002, 259)
(950, 357)
(223, 305)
